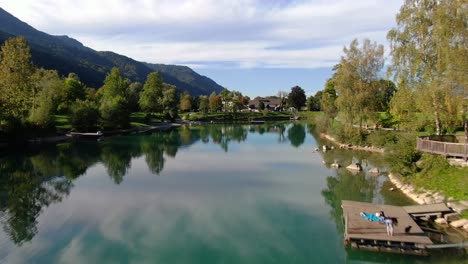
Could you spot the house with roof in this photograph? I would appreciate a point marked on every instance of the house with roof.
(270, 103)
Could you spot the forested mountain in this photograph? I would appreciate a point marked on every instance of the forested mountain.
(67, 55)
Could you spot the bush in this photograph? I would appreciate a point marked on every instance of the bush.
(382, 138)
(432, 164)
(114, 112)
(84, 116)
(402, 154)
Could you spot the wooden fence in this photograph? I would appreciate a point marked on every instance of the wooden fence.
(447, 149)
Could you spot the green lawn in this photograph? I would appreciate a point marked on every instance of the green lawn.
(241, 116)
(62, 122)
(452, 181)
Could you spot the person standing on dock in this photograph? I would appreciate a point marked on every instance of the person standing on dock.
(389, 223)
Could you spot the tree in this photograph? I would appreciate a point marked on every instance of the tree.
(282, 96)
(355, 81)
(430, 57)
(152, 95)
(73, 89)
(134, 90)
(238, 101)
(186, 102)
(385, 91)
(170, 101)
(297, 97)
(195, 103)
(17, 90)
(216, 104)
(327, 103)
(114, 109)
(48, 86)
(225, 98)
(313, 102)
(204, 104)
(84, 115)
(261, 105)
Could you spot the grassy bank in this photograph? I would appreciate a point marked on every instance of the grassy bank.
(242, 116)
(426, 171)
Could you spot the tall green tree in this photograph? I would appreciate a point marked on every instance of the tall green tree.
(114, 108)
(297, 97)
(430, 57)
(327, 103)
(356, 81)
(216, 103)
(49, 86)
(152, 95)
(313, 102)
(84, 115)
(170, 102)
(17, 90)
(225, 98)
(204, 104)
(134, 90)
(186, 102)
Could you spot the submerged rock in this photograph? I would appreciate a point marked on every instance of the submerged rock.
(335, 165)
(355, 166)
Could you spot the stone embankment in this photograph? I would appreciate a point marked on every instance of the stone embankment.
(420, 196)
(353, 147)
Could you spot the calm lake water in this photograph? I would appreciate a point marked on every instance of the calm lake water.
(209, 194)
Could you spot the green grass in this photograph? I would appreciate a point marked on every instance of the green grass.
(464, 214)
(140, 118)
(62, 122)
(241, 116)
(452, 181)
(310, 114)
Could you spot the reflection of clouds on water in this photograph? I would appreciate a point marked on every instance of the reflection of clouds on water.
(254, 201)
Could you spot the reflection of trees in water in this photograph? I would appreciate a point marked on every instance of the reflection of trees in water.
(346, 186)
(35, 179)
(26, 186)
(296, 135)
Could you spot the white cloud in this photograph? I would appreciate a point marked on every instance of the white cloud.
(211, 32)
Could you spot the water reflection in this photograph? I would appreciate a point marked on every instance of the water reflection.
(34, 179)
(296, 134)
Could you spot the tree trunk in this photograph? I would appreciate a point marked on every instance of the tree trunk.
(437, 123)
(466, 131)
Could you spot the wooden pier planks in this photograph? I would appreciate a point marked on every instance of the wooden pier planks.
(358, 228)
(427, 209)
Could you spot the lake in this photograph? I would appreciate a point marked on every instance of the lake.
(206, 194)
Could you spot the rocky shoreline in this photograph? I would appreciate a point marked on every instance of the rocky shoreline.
(420, 196)
(349, 146)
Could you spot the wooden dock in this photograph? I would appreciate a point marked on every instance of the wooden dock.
(367, 235)
(427, 210)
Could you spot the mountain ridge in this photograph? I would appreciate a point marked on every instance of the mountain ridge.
(66, 54)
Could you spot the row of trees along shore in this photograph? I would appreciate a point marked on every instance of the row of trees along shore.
(429, 62)
(31, 97)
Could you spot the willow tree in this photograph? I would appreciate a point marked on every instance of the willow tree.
(356, 79)
(430, 58)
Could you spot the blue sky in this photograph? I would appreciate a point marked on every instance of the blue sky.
(258, 47)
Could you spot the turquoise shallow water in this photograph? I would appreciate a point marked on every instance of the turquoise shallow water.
(211, 194)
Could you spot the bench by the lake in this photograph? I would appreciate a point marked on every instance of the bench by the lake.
(367, 235)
